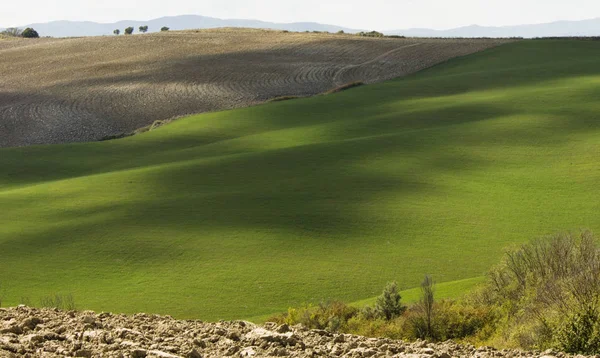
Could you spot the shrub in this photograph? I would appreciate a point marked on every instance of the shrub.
(427, 301)
(542, 282)
(579, 333)
(117, 32)
(376, 327)
(12, 32)
(460, 320)
(371, 34)
(58, 301)
(164, 28)
(388, 304)
(129, 30)
(30, 33)
(143, 29)
(331, 316)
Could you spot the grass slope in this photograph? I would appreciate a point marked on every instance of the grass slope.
(244, 213)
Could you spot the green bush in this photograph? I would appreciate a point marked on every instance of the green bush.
(579, 333)
(164, 28)
(129, 30)
(388, 304)
(143, 29)
(459, 320)
(331, 316)
(30, 33)
(371, 34)
(376, 327)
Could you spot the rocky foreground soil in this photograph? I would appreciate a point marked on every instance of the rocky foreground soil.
(30, 332)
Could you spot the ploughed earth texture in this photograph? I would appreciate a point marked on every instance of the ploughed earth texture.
(86, 89)
(30, 332)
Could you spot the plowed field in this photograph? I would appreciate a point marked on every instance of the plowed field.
(84, 89)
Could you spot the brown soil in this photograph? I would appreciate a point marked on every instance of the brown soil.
(30, 332)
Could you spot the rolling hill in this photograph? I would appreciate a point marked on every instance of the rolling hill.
(245, 212)
(589, 27)
(73, 90)
(181, 22)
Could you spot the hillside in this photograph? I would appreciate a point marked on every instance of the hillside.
(246, 212)
(84, 89)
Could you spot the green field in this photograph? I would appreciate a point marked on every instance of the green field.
(244, 213)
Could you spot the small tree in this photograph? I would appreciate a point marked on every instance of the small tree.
(164, 28)
(30, 33)
(427, 300)
(388, 304)
(129, 30)
(117, 32)
(12, 32)
(143, 29)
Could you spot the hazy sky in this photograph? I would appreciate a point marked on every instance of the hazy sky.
(371, 14)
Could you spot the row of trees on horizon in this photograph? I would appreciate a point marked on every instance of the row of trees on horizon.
(141, 29)
(16, 32)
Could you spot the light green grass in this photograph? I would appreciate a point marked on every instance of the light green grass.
(244, 213)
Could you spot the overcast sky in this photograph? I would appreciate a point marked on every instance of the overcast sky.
(362, 14)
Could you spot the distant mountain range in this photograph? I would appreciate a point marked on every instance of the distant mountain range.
(559, 28)
(185, 22)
